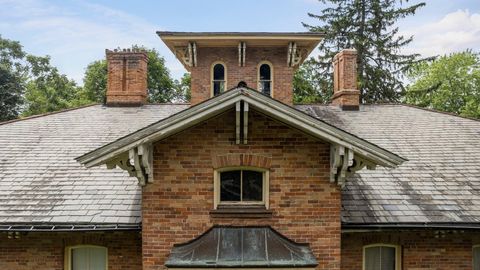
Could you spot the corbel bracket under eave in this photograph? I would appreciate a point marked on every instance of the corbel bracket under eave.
(241, 122)
(137, 162)
(188, 54)
(295, 54)
(344, 162)
(242, 50)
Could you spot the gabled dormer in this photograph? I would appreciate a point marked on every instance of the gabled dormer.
(219, 61)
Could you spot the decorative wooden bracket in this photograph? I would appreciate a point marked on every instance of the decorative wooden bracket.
(137, 162)
(188, 54)
(295, 54)
(242, 50)
(343, 163)
(241, 122)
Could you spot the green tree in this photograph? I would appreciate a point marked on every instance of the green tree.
(182, 88)
(309, 86)
(95, 81)
(369, 27)
(450, 83)
(161, 87)
(12, 78)
(47, 89)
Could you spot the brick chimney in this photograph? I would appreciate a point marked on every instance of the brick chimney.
(345, 89)
(127, 77)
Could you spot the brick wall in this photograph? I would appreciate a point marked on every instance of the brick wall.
(282, 74)
(345, 85)
(306, 206)
(45, 251)
(421, 250)
(127, 78)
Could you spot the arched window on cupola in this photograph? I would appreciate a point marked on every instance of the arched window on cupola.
(219, 81)
(265, 78)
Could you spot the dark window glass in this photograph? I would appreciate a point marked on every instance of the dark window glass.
(265, 79)
(240, 185)
(252, 183)
(218, 72)
(380, 258)
(230, 186)
(218, 79)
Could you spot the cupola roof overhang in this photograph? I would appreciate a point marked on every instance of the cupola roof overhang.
(180, 43)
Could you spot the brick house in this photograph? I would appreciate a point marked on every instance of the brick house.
(241, 177)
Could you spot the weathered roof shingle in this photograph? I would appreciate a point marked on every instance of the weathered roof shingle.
(40, 182)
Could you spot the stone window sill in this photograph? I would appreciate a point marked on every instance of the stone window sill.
(241, 212)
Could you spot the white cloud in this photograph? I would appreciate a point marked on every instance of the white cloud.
(456, 31)
(78, 33)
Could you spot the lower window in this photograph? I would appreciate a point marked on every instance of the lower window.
(476, 258)
(381, 257)
(86, 258)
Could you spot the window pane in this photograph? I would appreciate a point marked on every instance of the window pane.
(219, 72)
(98, 258)
(380, 258)
(476, 258)
(387, 258)
(265, 72)
(265, 87)
(372, 258)
(80, 259)
(252, 186)
(218, 87)
(230, 186)
(89, 258)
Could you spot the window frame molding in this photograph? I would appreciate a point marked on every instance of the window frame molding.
(225, 70)
(272, 77)
(68, 254)
(398, 254)
(265, 182)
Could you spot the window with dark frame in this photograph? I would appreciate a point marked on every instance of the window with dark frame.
(241, 186)
(380, 257)
(265, 79)
(218, 79)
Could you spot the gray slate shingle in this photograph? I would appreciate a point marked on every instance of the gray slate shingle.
(439, 183)
(41, 182)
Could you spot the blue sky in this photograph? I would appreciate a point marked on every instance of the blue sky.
(74, 33)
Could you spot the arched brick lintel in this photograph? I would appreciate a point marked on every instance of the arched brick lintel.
(236, 160)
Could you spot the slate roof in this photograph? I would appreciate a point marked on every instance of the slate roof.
(40, 182)
(440, 182)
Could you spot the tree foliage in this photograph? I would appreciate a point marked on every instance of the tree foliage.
(47, 89)
(309, 86)
(95, 81)
(450, 83)
(182, 88)
(369, 27)
(12, 78)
